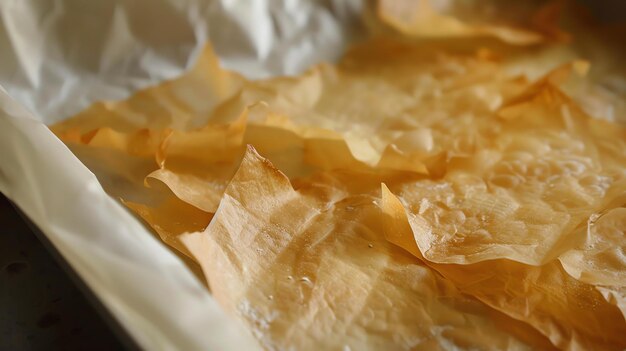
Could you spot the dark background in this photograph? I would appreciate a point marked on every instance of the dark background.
(40, 307)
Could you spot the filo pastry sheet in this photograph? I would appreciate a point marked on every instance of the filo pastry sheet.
(453, 186)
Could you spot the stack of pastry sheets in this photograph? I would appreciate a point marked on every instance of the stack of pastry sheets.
(454, 181)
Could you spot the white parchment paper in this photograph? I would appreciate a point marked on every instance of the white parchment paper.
(59, 56)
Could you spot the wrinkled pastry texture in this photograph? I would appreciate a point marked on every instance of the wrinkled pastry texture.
(449, 185)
